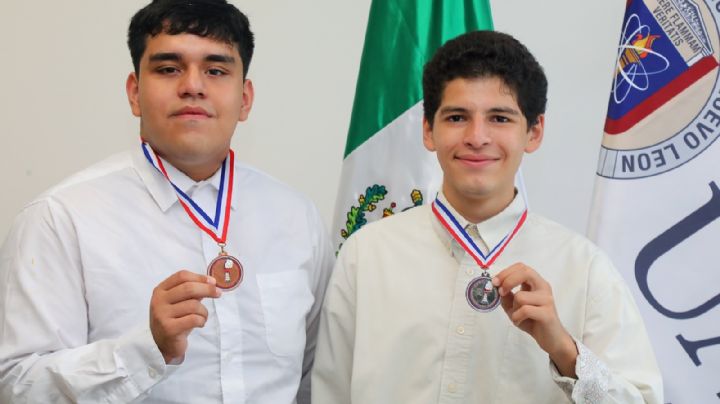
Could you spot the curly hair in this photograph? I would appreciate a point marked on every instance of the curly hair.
(486, 54)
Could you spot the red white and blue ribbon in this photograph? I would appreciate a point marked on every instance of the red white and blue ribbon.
(450, 223)
(215, 225)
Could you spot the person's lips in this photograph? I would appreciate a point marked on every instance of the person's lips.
(191, 113)
(476, 160)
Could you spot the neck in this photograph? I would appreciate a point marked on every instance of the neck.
(197, 173)
(196, 169)
(478, 209)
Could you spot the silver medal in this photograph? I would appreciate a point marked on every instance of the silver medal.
(481, 294)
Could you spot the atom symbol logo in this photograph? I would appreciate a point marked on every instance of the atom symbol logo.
(634, 52)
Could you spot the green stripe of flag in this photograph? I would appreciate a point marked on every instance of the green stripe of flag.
(401, 36)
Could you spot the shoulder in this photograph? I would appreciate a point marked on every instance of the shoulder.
(87, 178)
(266, 188)
(557, 237)
(258, 193)
(412, 226)
(576, 250)
(52, 211)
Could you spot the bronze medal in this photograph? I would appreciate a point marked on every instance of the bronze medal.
(227, 271)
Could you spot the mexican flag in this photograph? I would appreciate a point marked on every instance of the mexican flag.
(386, 168)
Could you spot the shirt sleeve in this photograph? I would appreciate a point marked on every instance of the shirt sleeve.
(336, 338)
(323, 260)
(45, 354)
(615, 362)
(591, 384)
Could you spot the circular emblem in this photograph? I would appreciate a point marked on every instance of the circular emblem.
(664, 107)
(227, 271)
(482, 295)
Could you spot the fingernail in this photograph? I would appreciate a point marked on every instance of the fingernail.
(211, 280)
(496, 281)
(218, 292)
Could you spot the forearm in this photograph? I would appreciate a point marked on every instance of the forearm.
(564, 356)
(596, 384)
(614, 335)
(119, 370)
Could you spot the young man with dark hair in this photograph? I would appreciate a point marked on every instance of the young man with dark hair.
(410, 315)
(232, 263)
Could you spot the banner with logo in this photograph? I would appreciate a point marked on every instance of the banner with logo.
(657, 195)
(386, 167)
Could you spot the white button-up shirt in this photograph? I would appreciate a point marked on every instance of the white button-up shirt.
(80, 263)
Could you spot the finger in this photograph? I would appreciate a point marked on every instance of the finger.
(524, 313)
(508, 302)
(525, 276)
(185, 324)
(191, 290)
(184, 276)
(532, 298)
(500, 277)
(186, 307)
(512, 272)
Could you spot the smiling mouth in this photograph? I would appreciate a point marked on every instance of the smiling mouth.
(476, 161)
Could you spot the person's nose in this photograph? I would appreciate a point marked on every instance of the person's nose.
(192, 83)
(477, 134)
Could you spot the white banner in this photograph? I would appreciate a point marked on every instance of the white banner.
(657, 199)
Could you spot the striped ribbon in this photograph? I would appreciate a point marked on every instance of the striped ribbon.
(453, 227)
(216, 226)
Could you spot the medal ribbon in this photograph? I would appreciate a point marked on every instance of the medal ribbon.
(466, 242)
(216, 226)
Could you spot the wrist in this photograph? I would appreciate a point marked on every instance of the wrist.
(564, 356)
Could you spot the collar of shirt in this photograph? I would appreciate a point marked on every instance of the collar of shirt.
(159, 187)
(491, 231)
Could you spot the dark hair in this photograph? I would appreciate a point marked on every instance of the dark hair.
(214, 19)
(486, 54)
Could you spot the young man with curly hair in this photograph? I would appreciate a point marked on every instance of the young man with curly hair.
(410, 315)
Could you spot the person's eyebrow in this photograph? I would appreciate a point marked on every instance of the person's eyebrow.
(504, 110)
(452, 109)
(164, 57)
(175, 57)
(220, 58)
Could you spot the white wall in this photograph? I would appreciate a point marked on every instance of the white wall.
(63, 104)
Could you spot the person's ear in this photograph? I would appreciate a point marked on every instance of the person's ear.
(132, 88)
(247, 100)
(536, 133)
(427, 135)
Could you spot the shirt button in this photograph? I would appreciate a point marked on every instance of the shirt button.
(460, 330)
(152, 373)
(452, 387)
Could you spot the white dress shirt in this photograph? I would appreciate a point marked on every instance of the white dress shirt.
(396, 326)
(79, 266)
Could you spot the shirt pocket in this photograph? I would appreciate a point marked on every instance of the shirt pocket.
(286, 301)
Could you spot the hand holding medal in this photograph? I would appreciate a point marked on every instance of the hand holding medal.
(532, 309)
(176, 308)
(481, 294)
